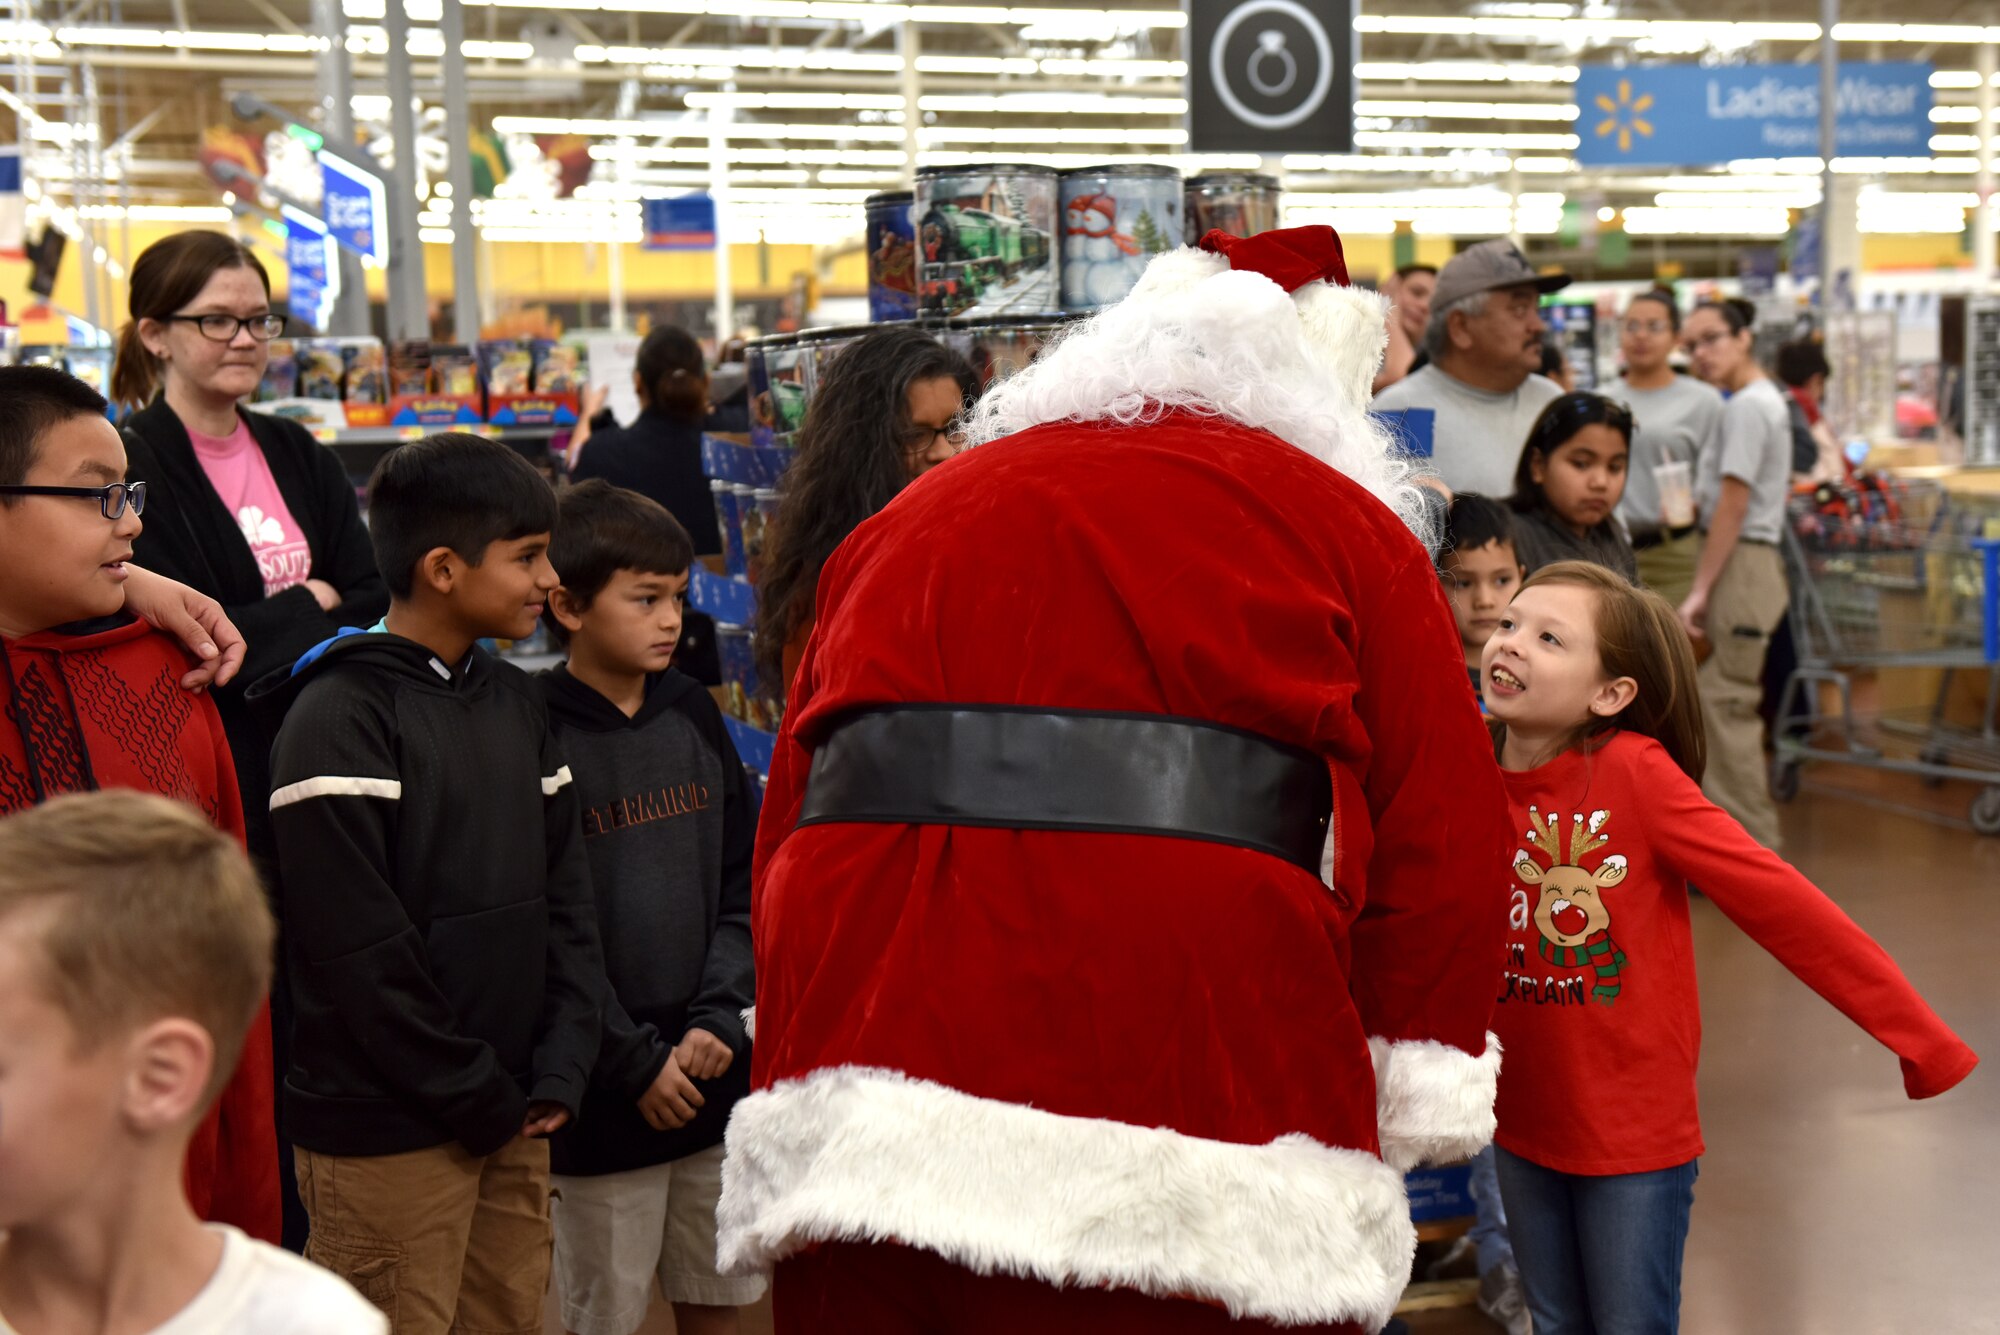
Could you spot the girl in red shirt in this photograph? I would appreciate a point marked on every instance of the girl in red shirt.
(1596, 720)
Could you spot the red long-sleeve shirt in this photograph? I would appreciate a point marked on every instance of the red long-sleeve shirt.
(1597, 1005)
(104, 709)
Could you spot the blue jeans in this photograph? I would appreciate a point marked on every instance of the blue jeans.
(1489, 1215)
(1599, 1255)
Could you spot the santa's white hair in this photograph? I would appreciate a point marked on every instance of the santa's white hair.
(1196, 336)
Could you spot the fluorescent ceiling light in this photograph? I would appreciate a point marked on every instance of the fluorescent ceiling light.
(1574, 31)
(1109, 68)
(1055, 104)
(1958, 79)
(1463, 71)
(1643, 221)
(1470, 162)
(1477, 111)
(693, 128)
(843, 157)
(1702, 199)
(1954, 143)
(990, 135)
(879, 15)
(1442, 139)
(192, 213)
(798, 101)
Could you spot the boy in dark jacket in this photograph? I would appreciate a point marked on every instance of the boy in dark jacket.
(669, 828)
(440, 933)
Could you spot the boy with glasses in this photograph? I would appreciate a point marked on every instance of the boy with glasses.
(93, 700)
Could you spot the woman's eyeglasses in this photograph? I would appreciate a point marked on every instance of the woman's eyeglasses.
(112, 500)
(1654, 327)
(224, 328)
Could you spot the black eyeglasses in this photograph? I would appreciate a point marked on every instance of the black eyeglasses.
(224, 328)
(112, 500)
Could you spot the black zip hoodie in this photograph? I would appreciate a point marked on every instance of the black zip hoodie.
(436, 906)
(670, 831)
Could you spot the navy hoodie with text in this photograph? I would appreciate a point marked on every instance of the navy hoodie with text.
(669, 828)
(436, 903)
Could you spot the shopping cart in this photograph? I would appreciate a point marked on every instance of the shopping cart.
(1887, 575)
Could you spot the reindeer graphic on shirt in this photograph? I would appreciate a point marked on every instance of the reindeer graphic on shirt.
(1570, 914)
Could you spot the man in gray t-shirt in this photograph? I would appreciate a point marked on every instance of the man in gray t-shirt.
(1485, 343)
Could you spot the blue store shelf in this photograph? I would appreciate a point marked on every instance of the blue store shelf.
(727, 598)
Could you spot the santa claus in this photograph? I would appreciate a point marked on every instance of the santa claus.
(1099, 262)
(1132, 870)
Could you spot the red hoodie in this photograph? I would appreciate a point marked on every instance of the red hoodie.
(100, 706)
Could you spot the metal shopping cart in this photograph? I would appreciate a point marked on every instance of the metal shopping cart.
(1886, 575)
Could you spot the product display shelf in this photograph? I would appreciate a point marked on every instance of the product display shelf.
(361, 448)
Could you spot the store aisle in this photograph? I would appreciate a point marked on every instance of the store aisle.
(1829, 1204)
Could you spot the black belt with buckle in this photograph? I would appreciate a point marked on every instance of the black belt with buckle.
(1037, 769)
(1660, 536)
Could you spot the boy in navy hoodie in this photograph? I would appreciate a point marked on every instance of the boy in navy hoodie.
(669, 828)
(441, 938)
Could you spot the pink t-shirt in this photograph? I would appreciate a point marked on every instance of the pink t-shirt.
(241, 476)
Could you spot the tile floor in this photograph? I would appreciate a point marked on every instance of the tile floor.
(1828, 1203)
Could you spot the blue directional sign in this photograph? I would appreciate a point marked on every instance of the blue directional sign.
(315, 269)
(684, 222)
(1688, 115)
(356, 207)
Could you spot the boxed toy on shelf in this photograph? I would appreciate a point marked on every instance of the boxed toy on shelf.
(434, 386)
(515, 396)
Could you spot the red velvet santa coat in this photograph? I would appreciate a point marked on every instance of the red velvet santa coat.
(1135, 1061)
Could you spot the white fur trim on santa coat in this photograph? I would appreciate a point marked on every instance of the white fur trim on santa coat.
(1293, 1232)
(749, 1017)
(1433, 1103)
(1349, 328)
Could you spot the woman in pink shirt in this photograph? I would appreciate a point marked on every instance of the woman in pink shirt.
(245, 507)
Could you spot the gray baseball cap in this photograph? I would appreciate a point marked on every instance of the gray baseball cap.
(1486, 267)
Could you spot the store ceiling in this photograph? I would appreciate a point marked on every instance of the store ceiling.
(1457, 102)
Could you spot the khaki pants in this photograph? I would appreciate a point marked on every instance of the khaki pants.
(440, 1240)
(1668, 567)
(1746, 606)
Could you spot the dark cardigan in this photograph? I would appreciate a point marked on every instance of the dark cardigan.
(191, 536)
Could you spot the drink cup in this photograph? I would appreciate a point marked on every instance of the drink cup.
(1676, 481)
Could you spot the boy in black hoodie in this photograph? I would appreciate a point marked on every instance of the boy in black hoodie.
(669, 828)
(436, 909)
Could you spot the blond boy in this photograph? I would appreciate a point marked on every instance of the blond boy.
(135, 951)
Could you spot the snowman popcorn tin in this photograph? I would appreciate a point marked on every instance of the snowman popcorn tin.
(1115, 220)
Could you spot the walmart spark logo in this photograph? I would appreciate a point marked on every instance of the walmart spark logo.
(1625, 116)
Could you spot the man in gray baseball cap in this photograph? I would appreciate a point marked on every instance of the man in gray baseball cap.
(1484, 341)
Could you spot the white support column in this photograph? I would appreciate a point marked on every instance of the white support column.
(458, 170)
(908, 46)
(718, 188)
(1987, 62)
(336, 97)
(409, 302)
(628, 107)
(1829, 78)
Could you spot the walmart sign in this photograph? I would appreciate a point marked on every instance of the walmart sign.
(1686, 116)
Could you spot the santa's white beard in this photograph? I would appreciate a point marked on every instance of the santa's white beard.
(1222, 344)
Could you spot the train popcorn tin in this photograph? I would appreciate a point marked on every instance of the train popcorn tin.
(986, 240)
(1240, 203)
(892, 256)
(1115, 219)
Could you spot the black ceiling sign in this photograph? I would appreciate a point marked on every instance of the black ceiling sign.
(1271, 76)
